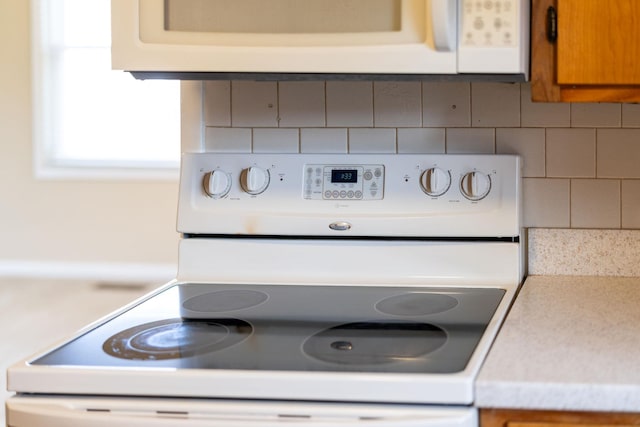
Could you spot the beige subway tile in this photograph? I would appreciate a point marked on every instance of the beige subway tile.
(397, 104)
(529, 143)
(421, 140)
(254, 104)
(542, 114)
(631, 115)
(546, 202)
(227, 140)
(590, 115)
(372, 140)
(571, 153)
(323, 140)
(349, 104)
(446, 104)
(495, 105)
(270, 140)
(470, 141)
(595, 203)
(631, 204)
(618, 153)
(301, 104)
(217, 103)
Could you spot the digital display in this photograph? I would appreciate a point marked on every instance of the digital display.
(344, 176)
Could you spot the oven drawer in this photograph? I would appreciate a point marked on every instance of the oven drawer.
(67, 411)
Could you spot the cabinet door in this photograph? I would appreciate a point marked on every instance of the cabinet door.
(596, 56)
(598, 42)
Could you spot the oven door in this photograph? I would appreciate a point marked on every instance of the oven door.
(33, 411)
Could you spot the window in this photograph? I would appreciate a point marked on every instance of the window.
(88, 119)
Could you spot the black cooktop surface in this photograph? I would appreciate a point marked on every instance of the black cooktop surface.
(290, 328)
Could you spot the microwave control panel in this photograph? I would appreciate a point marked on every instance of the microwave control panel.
(490, 23)
(343, 182)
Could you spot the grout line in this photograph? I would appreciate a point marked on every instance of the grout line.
(620, 201)
(231, 103)
(278, 118)
(470, 105)
(595, 153)
(326, 119)
(570, 207)
(571, 115)
(495, 145)
(422, 104)
(397, 144)
(446, 140)
(373, 104)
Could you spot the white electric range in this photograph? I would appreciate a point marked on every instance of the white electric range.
(325, 290)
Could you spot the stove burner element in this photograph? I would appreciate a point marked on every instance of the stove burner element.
(376, 342)
(416, 304)
(225, 300)
(176, 338)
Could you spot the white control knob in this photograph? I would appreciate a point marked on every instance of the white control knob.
(435, 181)
(475, 185)
(217, 183)
(254, 180)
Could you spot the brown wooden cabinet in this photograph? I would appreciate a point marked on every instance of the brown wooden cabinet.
(531, 418)
(596, 56)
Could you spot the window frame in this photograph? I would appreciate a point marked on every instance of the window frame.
(45, 165)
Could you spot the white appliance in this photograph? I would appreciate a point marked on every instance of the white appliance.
(196, 39)
(313, 289)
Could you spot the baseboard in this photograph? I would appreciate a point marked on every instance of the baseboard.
(94, 271)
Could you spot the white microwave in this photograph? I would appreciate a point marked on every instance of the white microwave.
(201, 38)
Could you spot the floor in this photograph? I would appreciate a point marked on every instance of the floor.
(35, 314)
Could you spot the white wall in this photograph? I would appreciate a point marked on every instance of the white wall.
(108, 229)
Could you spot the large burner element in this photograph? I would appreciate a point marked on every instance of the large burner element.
(375, 342)
(176, 338)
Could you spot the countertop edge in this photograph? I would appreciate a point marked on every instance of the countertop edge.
(558, 396)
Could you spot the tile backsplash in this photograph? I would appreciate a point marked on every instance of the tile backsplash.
(581, 161)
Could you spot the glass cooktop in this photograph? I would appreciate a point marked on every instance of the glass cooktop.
(290, 327)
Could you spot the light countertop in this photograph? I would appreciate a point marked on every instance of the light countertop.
(569, 343)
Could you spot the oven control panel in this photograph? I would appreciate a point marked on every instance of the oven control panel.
(353, 194)
(343, 182)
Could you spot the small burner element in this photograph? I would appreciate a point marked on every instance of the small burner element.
(176, 338)
(416, 304)
(375, 342)
(225, 300)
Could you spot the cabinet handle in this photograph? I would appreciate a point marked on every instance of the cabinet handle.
(552, 24)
